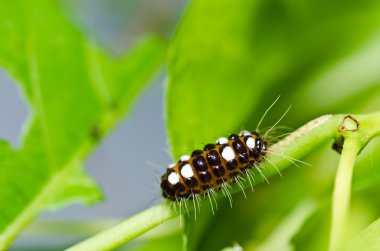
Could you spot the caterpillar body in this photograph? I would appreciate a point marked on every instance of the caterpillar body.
(214, 166)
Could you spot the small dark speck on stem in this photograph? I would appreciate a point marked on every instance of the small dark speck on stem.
(338, 144)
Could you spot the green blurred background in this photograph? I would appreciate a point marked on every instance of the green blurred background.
(320, 56)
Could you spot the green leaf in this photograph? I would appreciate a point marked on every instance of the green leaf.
(229, 60)
(78, 186)
(206, 77)
(368, 239)
(314, 233)
(280, 238)
(76, 94)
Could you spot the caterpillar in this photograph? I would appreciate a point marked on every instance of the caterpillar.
(213, 167)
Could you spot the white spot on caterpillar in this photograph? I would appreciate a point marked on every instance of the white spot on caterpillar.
(173, 178)
(244, 133)
(187, 171)
(222, 140)
(171, 165)
(228, 154)
(250, 143)
(184, 158)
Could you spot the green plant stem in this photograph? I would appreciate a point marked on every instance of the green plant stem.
(342, 192)
(127, 230)
(368, 239)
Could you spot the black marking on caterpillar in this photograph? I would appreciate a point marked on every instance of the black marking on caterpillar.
(214, 167)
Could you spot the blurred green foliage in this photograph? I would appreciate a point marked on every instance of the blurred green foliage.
(75, 92)
(227, 62)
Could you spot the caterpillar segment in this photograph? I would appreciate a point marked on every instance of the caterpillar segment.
(213, 167)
